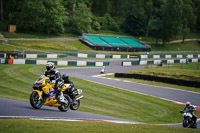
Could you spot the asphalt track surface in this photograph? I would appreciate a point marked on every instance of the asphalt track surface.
(17, 109)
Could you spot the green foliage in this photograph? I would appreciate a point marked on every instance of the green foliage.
(171, 19)
(96, 25)
(196, 7)
(110, 23)
(43, 16)
(69, 5)
(55, 17)
(4, 26)
(102, 21)
(80, 20)
(188, 19)
(163, 19)
(29, 15)
(100, 7)
(135, 21)
(155, 28)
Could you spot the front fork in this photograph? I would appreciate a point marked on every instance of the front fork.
(39, 94)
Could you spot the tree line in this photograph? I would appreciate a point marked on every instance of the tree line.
(161, 19)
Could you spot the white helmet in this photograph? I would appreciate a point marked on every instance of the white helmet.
(49, 66)
(188, 103)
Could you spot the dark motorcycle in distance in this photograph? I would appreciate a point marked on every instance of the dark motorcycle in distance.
(188, 122)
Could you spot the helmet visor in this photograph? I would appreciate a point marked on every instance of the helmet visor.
(48, 68)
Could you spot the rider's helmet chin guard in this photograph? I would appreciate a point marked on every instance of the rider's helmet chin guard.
(188, 104)
(50, 66)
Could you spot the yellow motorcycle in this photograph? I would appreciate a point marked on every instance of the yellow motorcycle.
(45, 94)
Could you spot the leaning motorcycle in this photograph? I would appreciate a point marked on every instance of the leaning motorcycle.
(102, 71)
(187, 120)
(45, 94)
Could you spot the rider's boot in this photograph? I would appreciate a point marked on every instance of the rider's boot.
(74, 94)
(62, 98)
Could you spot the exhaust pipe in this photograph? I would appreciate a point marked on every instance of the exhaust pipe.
(79, 97)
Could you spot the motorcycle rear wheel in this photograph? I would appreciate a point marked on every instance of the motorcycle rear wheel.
(34, 100)
(65, 107)
(75, 105)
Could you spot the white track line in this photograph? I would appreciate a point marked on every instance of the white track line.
(61, 119)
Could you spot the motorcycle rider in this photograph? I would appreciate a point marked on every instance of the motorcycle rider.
(72, 90)
(54, 75)
(189, 108)
(103, 70)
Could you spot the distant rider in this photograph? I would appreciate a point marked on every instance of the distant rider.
(190, 109)
(54, 75)
(103, 70)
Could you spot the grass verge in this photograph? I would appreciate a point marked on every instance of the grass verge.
(186, 46)
(189, 72)
(49, 46)
(16, 83)
(34, 35)
(36, 126)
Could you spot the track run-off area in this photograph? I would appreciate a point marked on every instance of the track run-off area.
(17, 109)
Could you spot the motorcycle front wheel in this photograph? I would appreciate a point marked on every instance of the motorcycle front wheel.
(186, 122)
(65, 107)
(75, 105)
(35, 101)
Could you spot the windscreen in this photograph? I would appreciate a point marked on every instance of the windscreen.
(41, 77)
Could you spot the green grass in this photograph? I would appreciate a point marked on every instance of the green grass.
(36, 126)
(187, 46)
(16, 83)
(190, 72)
(49, 46)
(8, 47)
(193, 35)
(44, 46)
